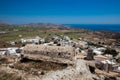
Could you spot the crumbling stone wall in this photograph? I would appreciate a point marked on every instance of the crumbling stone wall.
(49, 53)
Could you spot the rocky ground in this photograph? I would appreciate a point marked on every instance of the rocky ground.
(53, 71)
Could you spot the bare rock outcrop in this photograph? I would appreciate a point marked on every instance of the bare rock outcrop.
(78, 72)
(57, 54)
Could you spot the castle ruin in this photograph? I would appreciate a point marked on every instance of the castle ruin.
(57, 54)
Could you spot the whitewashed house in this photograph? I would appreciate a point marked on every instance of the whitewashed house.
(99, 51)
(12, 43)
(83, 44)
(65, 43)
(108, 62)
(55, 38)
(12, 51)
(36, 40)
(2, 52)
(42, 40)
(66, 38)
(109, 56)
(116, 68)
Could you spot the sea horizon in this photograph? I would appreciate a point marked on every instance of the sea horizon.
(96, 27)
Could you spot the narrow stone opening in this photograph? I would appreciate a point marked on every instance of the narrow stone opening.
(59, 54)
(92, 69)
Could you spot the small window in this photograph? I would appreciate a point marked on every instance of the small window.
(59, 54)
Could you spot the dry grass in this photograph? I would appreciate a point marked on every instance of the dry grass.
(9, 76)
(7, 59)
(28, 65)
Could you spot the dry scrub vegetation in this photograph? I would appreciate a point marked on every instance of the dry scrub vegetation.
(9, 76)
(29, 65)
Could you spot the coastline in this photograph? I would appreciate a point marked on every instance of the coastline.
(96, 27)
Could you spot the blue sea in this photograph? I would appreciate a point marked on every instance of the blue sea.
(97, 27)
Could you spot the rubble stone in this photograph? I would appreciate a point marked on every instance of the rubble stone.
(57, 54)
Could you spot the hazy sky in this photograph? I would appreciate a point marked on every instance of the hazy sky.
(60, 11)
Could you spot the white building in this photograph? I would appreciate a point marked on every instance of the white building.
(2, 52)
(12, 42)
(66, 38)
(12, 51)
(83, 44)
(108, 61)
(99, 51)
(36, 40)
(65, 43)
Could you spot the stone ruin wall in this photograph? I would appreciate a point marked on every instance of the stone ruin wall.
(58, 53)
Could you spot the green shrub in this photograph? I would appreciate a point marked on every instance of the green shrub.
(111, 52)
(118, 60)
